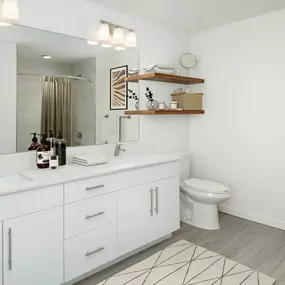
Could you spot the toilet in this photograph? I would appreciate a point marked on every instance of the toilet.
(199, 202)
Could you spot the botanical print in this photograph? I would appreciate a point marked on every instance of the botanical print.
(118, 88)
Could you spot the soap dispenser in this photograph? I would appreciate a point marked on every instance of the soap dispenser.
(50, 139)
(43, 153)
(34, 145)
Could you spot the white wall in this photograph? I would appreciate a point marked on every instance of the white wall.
(8, 89)
(29, 96)
(240, 140)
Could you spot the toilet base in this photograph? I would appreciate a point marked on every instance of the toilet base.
(203, 216)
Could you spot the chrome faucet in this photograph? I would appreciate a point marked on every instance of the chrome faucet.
(118, 148)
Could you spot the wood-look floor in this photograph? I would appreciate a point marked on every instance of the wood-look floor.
(254, 245)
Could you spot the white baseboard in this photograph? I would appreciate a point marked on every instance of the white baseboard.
(252, 217)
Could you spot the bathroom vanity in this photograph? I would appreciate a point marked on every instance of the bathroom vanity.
(64, 225)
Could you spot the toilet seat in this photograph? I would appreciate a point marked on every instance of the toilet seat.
(205, 186)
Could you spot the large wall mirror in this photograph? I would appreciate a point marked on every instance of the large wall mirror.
(64, 85)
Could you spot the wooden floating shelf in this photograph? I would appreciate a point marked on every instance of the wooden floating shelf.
(185, 93)
(162, 77)
(165, 112)
(134, 78)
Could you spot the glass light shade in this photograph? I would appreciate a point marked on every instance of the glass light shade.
(118, 36)
(131, 39)
(106, 45)
(5, 24)
(92, 43)
(104, 32)
(120, 48)
(10, 10)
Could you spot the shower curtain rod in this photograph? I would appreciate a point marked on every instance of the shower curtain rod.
(62, 76)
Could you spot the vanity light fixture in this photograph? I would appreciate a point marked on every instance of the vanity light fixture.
(104, 45)
(46, 56)
(131, 39)
(10, 10)
(119, 48)
(118, 36)
(110, 34)
(92, 43)
(104, 32)
(5, 24)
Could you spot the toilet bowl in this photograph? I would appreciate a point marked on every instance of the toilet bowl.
(199, 202)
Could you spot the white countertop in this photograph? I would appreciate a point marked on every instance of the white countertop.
(47, 177)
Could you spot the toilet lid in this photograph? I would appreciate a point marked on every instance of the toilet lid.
(206, 186)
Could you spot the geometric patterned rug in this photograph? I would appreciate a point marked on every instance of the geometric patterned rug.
(184, 263)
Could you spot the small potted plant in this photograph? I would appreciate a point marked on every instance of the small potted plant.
(134, 96)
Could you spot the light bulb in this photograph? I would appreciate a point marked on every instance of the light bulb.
(5, 24)
(120, 48)
(92, 43)
(104, 32)
(46, 56)
(131, 39)
(10, 10)
(106, 45)
(118, 36)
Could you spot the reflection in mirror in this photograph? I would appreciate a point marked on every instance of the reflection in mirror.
(67, 87)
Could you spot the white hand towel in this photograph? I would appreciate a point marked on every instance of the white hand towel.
(159, 66)
(89, 160)
(165, 71)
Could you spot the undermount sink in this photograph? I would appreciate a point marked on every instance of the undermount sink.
(13, 180)
(128, 160)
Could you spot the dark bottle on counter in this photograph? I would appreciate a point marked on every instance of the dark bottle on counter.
(34, 145)
(43, 153)
(50, 140)
(53, 158)
(60, 149)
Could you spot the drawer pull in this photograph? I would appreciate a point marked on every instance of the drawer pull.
(151, 202)
(10, 248)
(95, 215)
(95, 251)
(156, 209)
(95, 187)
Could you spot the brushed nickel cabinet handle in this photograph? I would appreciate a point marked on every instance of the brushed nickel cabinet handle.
(151, 202)
(95, 251)
(95, 215)
(95, 187)
(10, 248)
(156, 205)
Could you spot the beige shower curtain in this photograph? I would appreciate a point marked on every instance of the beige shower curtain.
(56, 106)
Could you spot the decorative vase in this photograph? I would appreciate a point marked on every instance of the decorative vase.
(137, 106)
(152, 105)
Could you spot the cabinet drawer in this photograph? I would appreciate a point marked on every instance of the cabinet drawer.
(89, 251)
(88, 188)
(23, 203)
(90, 214)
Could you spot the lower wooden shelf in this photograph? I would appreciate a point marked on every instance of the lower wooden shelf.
(164, 112)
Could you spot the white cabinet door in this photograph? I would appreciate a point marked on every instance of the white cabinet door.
(147, 213)
(33, 249)
(135, 223)
(167, 206)
(1, 253)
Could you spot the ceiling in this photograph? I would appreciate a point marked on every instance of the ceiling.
(193, 15)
